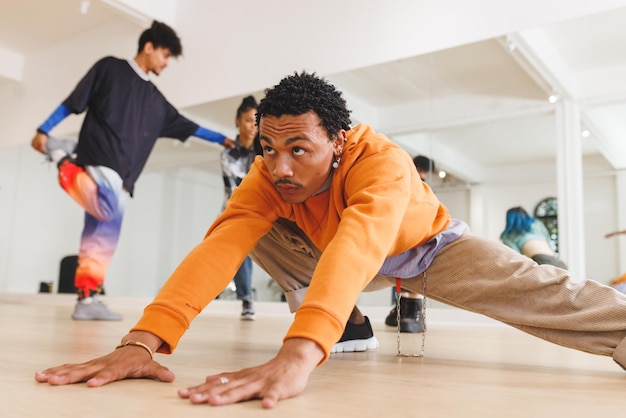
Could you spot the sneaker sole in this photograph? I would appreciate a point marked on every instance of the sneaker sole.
(355, 346)
(411, 329)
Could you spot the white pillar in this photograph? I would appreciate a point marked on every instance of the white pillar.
(620, 193)
(570, 188)
(477, 213)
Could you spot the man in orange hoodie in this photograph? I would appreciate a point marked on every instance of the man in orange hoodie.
(357, 197)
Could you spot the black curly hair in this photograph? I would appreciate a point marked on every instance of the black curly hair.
(161, 36)
(248, 102)
(424, 164)
(300, 93)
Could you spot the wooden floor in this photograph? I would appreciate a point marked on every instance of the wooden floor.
(473, 367)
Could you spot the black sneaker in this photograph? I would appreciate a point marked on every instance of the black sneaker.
(392, 318)
(247, 311)
(411, 319)
(356, 337)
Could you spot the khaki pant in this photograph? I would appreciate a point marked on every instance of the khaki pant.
(482, 276)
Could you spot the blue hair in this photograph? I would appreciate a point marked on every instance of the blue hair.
(517, 220)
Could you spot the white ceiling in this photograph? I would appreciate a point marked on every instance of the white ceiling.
(473, 108)
(37, 24)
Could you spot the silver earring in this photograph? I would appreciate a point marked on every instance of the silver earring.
(336, 162)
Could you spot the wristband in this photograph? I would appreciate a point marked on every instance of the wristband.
(138, 344)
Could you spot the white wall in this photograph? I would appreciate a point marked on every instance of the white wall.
(600, 214)
(51, 74)
(225, 40)
(224, 58)
(489, 214)
(43, 225)
(40, 224)
(173, 208)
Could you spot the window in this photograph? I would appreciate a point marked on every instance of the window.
(546, 211)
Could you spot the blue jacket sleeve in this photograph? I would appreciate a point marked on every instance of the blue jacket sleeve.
(209, 135)
(54, 119)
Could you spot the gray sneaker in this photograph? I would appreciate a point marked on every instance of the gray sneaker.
(66, 145)
(94, 311)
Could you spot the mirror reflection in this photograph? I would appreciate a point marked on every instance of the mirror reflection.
(508, 121)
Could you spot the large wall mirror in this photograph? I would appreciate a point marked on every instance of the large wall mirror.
(489, 113)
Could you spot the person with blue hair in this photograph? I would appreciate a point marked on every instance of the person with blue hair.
(529, 236)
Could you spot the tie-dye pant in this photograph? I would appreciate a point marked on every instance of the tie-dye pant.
(99, 191)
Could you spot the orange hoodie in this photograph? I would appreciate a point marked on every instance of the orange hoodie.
(376, 206)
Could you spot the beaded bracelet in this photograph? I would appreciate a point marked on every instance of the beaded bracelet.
(138, 344)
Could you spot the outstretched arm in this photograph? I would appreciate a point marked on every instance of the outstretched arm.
(283, 377)
(211, 136)
(131, 361)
